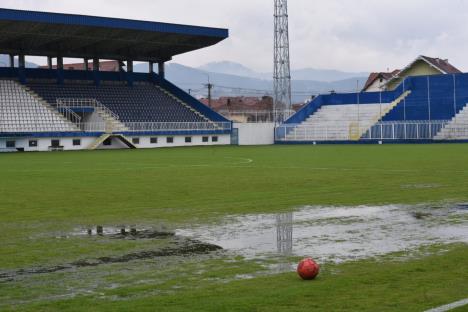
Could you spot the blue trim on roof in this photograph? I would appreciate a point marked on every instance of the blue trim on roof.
(108, 22)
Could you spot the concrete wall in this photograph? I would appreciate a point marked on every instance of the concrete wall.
(145, 142)
(256, 133)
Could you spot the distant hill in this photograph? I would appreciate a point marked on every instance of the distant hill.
(5, 61)
(231, 68)
(233, 79)
(194, 80)
(324, 75)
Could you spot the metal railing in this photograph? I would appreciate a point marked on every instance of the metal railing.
(177, 126)
(68, 113)
(159, 126)
(387, 130)
(107, 127)
(76, 103)
(253, 116)
(405, 130)
(70, 104)
(301, 132)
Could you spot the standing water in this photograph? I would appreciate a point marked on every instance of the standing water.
(337, 234)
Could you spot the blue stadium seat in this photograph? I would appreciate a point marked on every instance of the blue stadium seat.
(139, 103)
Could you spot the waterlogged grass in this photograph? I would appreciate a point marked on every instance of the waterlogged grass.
(413, 285)
(46, 195)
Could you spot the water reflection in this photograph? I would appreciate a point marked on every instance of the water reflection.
(284, 240)
(337, 234)
(284, 233)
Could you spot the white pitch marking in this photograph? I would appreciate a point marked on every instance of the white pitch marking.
(243, 161)
(450, 306)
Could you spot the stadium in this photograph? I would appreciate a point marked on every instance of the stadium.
(57, 109)
(50, 109)
(372, 184)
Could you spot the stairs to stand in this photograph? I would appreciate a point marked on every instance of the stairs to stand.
(108, 118)
(338, 122)
(24, 111)
(457, 128)
(112, 124)
(106, 136)
(342, 122)
(45, 104)
(215, 125)
(49, 107)
(361, 130)
(99, 141)
(125, 140)
(182, 103)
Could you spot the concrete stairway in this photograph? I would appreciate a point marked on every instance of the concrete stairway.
(342, 122)
(333, 122)
(106, 136)
(457, 128)
(183, 103)
(102, 115)
(113, 124)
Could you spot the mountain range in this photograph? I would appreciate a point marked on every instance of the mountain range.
(236, 69)
(5, 61)
(234, 79)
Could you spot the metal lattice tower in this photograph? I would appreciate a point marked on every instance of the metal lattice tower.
(282, 70)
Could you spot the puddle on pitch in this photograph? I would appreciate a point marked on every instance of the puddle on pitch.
(123, 232)
(337, 234)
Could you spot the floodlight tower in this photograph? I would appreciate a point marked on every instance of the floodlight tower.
(282, 70)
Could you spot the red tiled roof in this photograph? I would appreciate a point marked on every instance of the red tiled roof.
(442, 65)
(385, 75)
(112, 66)
(240, 103)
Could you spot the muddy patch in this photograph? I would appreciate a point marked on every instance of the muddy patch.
(337, 234)
(121, 232)
(181, 247)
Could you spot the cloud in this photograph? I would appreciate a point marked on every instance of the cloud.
(358, 35)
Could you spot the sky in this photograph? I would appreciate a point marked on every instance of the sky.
(346, 35)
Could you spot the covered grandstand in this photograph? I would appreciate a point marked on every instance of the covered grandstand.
(54, 108)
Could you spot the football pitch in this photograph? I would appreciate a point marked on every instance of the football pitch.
(186, 229)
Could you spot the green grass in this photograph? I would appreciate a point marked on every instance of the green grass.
(43, 194)
(359, 286)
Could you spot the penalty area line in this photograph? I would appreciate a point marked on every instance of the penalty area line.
(450, 306)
